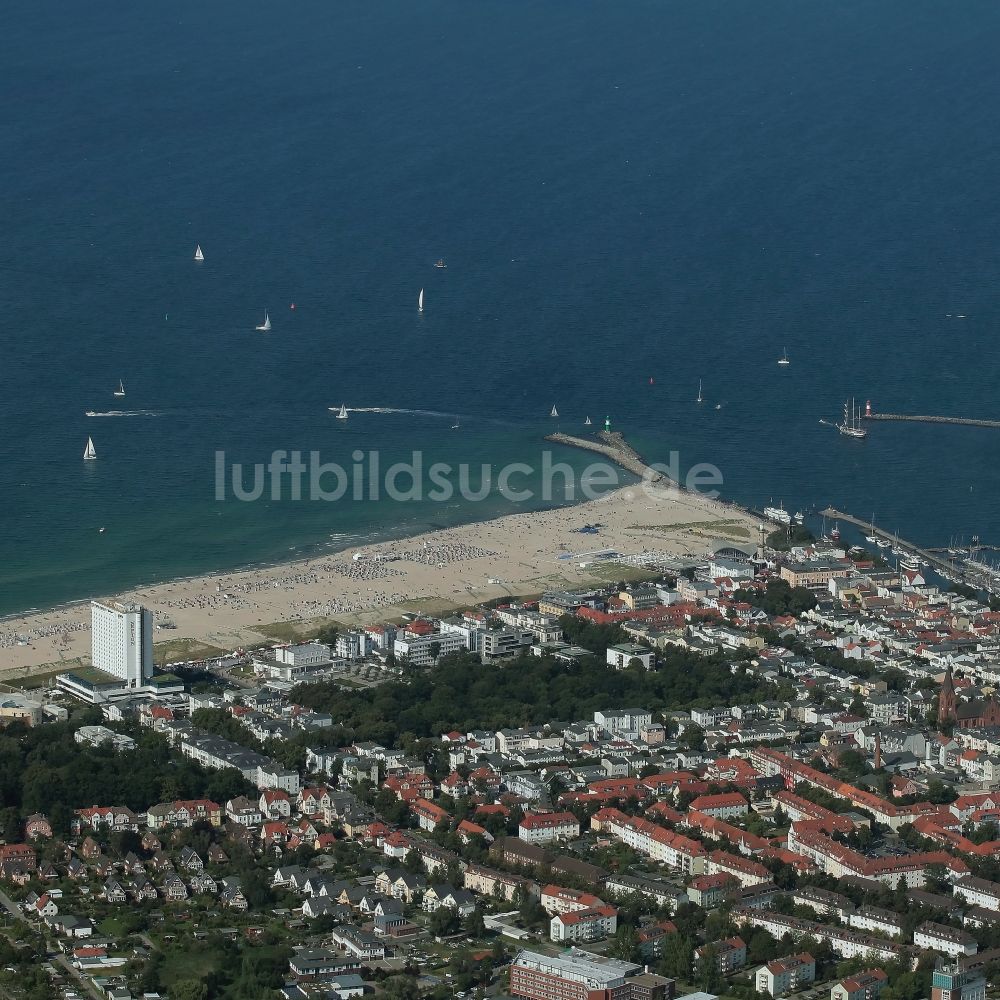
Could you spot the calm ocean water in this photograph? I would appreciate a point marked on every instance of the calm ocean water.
(622, 192)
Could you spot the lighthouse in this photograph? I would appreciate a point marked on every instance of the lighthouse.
(868, 407)
(607, 424)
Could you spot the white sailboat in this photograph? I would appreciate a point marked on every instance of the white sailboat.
(266, 325)
(198, 255)
(90, 452)
(700, 399)
(555, 412)
(120, 391)
(783, 360)
(587, 422)
(873, 538)
(342, 412)
(420, 301)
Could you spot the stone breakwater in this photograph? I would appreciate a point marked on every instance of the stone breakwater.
(612, 445)
(918, 419)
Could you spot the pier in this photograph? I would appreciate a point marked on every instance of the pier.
(930, 556)
(956, 569)
(918, 419)
(611, 444)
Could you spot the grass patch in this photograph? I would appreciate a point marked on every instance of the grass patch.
(296, 631)
(190, 960)
(42, 679)
(611, 572)
(733, 529)
(91, 675)
(428, 605)
(182, 650)
(39, 674)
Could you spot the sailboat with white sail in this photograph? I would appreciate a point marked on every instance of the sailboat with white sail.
(90, 452)
(701, 398)
(198, 255)
(420, 301)
(872, 537)
(783, 360)
(342, 412)
(588, 422)
(120, 391)
(555, 412)
(266, 325)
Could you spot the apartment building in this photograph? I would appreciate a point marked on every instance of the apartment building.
(866, 985)
(785, 975)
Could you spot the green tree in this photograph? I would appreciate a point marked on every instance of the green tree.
(475, 925)
(693, 736)
(678, 952)
(188, 989)
(444, 920)
(626, 943)
(709, 977)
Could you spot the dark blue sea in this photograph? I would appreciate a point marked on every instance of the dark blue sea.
(660, 190)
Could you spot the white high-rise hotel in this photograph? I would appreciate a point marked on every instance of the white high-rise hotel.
(122, 641)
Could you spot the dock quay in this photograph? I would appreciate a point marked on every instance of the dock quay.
(918, 419)
(958, 570)
(611, 444)
(928, 555)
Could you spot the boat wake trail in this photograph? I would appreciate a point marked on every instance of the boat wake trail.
(122, 413)
(390, 409)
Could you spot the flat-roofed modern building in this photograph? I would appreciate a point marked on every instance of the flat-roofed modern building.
(579, 975)
(121, 641)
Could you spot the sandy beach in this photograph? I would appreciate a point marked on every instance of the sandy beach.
(514, 555)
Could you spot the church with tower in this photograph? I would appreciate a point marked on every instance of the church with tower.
(965, 714)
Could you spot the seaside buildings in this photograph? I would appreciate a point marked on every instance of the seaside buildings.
(724, 799)
(121, 657)
(122, 641)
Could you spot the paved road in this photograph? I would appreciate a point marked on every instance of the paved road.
(11, 907)
(85, 981)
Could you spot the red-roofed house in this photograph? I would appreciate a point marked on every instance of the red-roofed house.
(468, 832)
(729, 955)
(543, 828)
(866, 985)
(274, 832)
(584, 925)
(710, 891)
(275, 804)
(312, 801)
(785, 975)
(557, 899)
(409, 786)
(395, 845)
(454, 785)
(721, 806)
(429, 815)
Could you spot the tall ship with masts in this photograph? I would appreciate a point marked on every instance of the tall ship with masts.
(851, 426)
